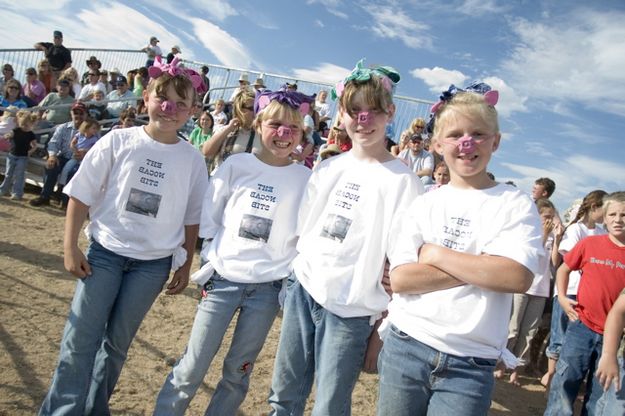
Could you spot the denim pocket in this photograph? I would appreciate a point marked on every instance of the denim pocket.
(290, 281)
(483, 363)
(399, 333)
(277, 284)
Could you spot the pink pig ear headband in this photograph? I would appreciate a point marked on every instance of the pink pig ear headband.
(293, 99)
(176, 69)
(388, 76)
(490, 96)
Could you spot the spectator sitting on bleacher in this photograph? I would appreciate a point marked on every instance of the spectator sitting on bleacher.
(59, 57)
(93, 65)
(220, 117)
(53, 116)
(94, 85)
(44, 74)
(12, 95)
(97, 106)
(126, 119)
(59, 152)
(71, 75)
(8, 73)
(104, 79)
(33, 88)
(121, 92)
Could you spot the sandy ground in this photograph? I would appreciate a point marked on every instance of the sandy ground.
(35, 295)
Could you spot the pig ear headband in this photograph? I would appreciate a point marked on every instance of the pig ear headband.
(490, 96)
(176, 69)
(293, 99)
(387, 75)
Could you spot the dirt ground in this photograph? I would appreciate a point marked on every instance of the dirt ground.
(35, 294)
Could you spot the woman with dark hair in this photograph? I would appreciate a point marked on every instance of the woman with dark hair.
(12, 95)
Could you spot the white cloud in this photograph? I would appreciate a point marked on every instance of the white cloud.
(509, 100)
(226, 48)
(391, 22)
(438, 79)
(34, 5)
(577, 58)
(332, 6)
(219, 9)
(319, 23)
(574, 176)
(481, 7)
(325, 73)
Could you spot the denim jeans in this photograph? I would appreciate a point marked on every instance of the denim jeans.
(315, 341)
(612, 402)
(559, 323)
(50, 177)
(105, 314)
(15, 172)
(416, 379)
(581, 350)
(68, 171)
(258, 306)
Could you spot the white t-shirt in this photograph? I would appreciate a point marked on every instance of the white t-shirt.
(250, 211)
(90, 89)
(323, 109)
(540, 284)
(573, 235)
(417, 162)
(140, 192)
(347, 226)
(309, 123)
(219, 118)
(467, 321)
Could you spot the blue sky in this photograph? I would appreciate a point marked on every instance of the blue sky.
(559, 65)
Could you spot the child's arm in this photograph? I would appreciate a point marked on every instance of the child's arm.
(608, 369)
(211, 147)
(558, 232)
(418, 278)
(33, 147)
(72, 144)
(496, 273)
(180, 279)
(562, 283)
(374, 345)
(73, 258)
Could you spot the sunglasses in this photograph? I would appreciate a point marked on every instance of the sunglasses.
(248, 108)
(12, 87)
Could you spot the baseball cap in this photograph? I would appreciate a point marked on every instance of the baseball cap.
(79, 105)
(58, 34)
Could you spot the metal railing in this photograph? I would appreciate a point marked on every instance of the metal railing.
(223, 80)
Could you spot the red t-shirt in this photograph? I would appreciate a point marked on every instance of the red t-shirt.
(603, 278)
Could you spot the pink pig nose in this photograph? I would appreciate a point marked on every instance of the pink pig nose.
(168, 107)
(284, 132)
(466, 144)
(364, 117)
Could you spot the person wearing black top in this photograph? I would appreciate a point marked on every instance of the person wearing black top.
(58, 56)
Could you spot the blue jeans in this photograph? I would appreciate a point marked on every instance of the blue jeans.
(581, 350)
(416, 379)
(559, 323)
(314, 340)
(612, 403)
(105, 314)
(50, 177)
(258, 306)
(15, 172)
(68, 171)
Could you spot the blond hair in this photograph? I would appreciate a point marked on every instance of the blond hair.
(466, 103)
(87, 124)
(375, 95)
(238, 103)
(278, 111)
(611, 198)
(25, 117)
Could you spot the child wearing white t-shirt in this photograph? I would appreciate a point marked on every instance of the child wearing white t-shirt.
(478, 241)
(142, 188)
(587, 222)
(249, 217)
(335, 295)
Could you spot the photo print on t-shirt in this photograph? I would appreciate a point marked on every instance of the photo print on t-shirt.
(142, 202)
(255, 228)
(336, 227)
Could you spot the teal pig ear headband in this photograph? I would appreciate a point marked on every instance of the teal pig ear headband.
(388, 76)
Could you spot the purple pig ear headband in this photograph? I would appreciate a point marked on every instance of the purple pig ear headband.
(387, 75)
(491, 96)
(174, 69)
(293, 99)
